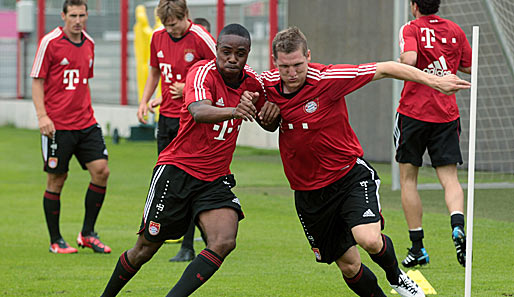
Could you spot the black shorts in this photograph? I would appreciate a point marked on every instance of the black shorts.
(328, 214)
(175, 197)
(86, 144)
(167, 129)
(412, 137)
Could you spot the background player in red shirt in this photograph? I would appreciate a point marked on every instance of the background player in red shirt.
(336, 191)
(192, 179)
(174, 48)
(60, 91)
(427, 119)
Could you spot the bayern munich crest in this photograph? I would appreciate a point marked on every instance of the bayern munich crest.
(189, 57)
(317, 253)
(311, 106)
(154, 228)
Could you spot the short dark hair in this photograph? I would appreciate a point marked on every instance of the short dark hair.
(235, 29)
(204, 22)
(73, 3)
(288, 41)
(427, 7)
(172, 8)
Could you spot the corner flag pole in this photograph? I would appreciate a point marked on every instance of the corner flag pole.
(471, 161)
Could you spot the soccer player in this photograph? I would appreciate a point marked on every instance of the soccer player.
(60, 90)
(429, 120)
(192, 178)
(174, 48)
(336, 190)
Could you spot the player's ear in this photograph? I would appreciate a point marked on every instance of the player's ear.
(274, 60)
(62, 15)
(308, 55)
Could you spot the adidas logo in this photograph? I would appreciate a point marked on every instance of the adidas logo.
(64, 62)
(236, 200)
(160, 54)
(368, 213)
(220, 102)
(438, 67)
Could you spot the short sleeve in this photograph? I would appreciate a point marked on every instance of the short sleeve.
(154, 62)
(465, 60)
(42, 61)
(198, 85)
(407, 39)
(92, 62)
(343, 79)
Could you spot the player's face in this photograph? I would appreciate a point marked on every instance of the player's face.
(175, 27)
(232, 52)
(293, 69)
(74, 19)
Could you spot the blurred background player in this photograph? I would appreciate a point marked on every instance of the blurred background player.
(429, 120)
(60, 90)
(204, 23)
(174, 48)
(336, 190)
(192, 178)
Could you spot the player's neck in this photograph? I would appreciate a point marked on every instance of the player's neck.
(73, 37)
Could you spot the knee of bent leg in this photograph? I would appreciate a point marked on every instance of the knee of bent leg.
(372, 243)
(349, 269)
(55, 182)
(101, 174)
(142, 255)
(223, 246)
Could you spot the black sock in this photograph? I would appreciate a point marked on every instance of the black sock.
(416, 236)
(386, 259)
(197, 272)
(457, 220)
(52, 208)
(364, 283)
(94, 198)
(187, 243)
(121, 275)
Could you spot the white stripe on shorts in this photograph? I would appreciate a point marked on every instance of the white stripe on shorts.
(151, 192)
(377, 181)
(44, 146)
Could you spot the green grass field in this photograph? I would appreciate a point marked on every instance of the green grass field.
(272, 257)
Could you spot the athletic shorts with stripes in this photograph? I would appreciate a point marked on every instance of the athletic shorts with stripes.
(175, 197)
(86, 144)
(328, 214)
(412, 137)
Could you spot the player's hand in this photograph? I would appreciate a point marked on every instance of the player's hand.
(451, 84)
(176, 90)
(46, 126)
(251, 96)
(269, 113)
(142, 112)
(245, 109)
(154, 103)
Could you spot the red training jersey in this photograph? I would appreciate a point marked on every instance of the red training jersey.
(205, 150)
(441, 47)
(66, 68)
(174, 57)
(317, 143)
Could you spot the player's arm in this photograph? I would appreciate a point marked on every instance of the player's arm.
(46, 126)
(204, 112)
(269, 115)
(409, 58)
(465, 69)
(448, 84)
(177, 90)
(151, 83)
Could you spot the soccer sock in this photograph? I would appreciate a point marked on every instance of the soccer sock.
(121, 275)
(187, 243)
(364, 283)
(52, 208)
(386, 259)
(94, 198)
(197, 273)
(457, 219)
(416, 236)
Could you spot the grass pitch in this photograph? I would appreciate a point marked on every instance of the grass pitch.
(272, 257)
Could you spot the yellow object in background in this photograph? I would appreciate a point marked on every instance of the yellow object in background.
(422, 282)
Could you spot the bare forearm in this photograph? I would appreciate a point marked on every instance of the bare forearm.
(38, 97)
(204, 113)
(402, 72)
(151, 83)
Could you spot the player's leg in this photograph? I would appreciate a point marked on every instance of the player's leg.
(129, 264)
(357, 276)
(92, 155)
(56, 151)
(444, 151)
(220, 227)
(411, 138)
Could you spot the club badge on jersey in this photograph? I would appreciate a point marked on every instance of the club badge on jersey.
(189, 55)
(311, 106)
(154, 228)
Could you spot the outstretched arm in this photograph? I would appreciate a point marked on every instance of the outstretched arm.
(269, 115)
(204, 112)
(448, 84)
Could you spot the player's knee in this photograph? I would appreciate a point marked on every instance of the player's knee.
(348, 269)
(223, 246)
(141, 255)
(102, 174)
(55, 182)
(372, 244)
